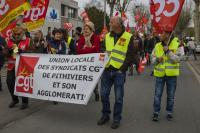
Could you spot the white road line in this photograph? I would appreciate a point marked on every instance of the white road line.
(194, 72)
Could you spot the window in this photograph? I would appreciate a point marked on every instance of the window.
(62, 10)
(71, 12)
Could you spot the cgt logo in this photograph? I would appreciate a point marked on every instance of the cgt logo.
(25, 78)
(101, 57)
(24, 81)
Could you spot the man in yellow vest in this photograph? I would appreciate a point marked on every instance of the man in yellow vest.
(70, 44)
(166, 57)
(119, 45)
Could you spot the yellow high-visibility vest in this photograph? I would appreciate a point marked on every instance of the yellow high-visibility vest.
(69, 41)
(117, 51)
(167, 67)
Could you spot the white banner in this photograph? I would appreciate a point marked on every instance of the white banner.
(63, 78)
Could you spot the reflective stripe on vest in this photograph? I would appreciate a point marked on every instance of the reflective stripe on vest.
(168, 67)
(69, 41)
(118, 50)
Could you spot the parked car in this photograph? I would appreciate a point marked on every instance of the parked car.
(198, 49)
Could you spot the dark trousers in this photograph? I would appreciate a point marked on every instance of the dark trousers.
(108, 79)
(171, 83)
(10, 80)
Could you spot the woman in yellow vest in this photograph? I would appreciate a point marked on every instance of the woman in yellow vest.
(166, 57)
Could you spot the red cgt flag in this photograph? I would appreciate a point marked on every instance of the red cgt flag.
(165, 14)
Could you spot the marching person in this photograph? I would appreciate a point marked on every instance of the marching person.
(166, 59)
(70, 44)
(192, 48)
(39, 43)
(57, 45)
(119, 45)
(17, 43)
(89, 43)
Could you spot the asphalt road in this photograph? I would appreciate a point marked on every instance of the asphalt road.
(44, 117)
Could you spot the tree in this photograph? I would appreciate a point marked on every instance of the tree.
(183, 21)
(111, 4)
(197, 20)
(122, 7)
(97, 17)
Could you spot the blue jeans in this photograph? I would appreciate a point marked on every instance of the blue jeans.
(108, 79)
(171, 89)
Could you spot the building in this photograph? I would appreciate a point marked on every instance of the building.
(60, 12)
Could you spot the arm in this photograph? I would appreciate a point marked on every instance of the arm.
(95, 45)
(176, 57)
(79, 48)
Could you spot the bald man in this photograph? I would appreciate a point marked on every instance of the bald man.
(17, 43)
(119, 45)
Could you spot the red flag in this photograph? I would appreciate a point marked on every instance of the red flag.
(128, 28)
(85, 17)
(124, 17)
(35, 17)
(10, 10)
(117, 13)
(6, 33)
(165, 14)
(103, 33)
(68, 26)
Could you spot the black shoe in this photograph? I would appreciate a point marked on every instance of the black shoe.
(115, 125)
(97, 97)
(12, 104)
(24, 106)
(103, 120)
(155, 117)
(55, 103)
(169, 117)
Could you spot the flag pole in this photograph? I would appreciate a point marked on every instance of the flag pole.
(104, 13)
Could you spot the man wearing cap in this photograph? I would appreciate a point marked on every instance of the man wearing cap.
(166, 58)
(17, 43)
(119, 45)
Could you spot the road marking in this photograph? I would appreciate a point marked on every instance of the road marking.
(194, 72)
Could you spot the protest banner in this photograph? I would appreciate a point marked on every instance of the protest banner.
(63, 78)
(35, 17)
(9, 11)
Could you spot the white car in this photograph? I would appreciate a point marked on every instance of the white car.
(198, 49)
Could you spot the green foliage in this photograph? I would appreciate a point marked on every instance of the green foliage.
(97, 17)
(183, 21)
